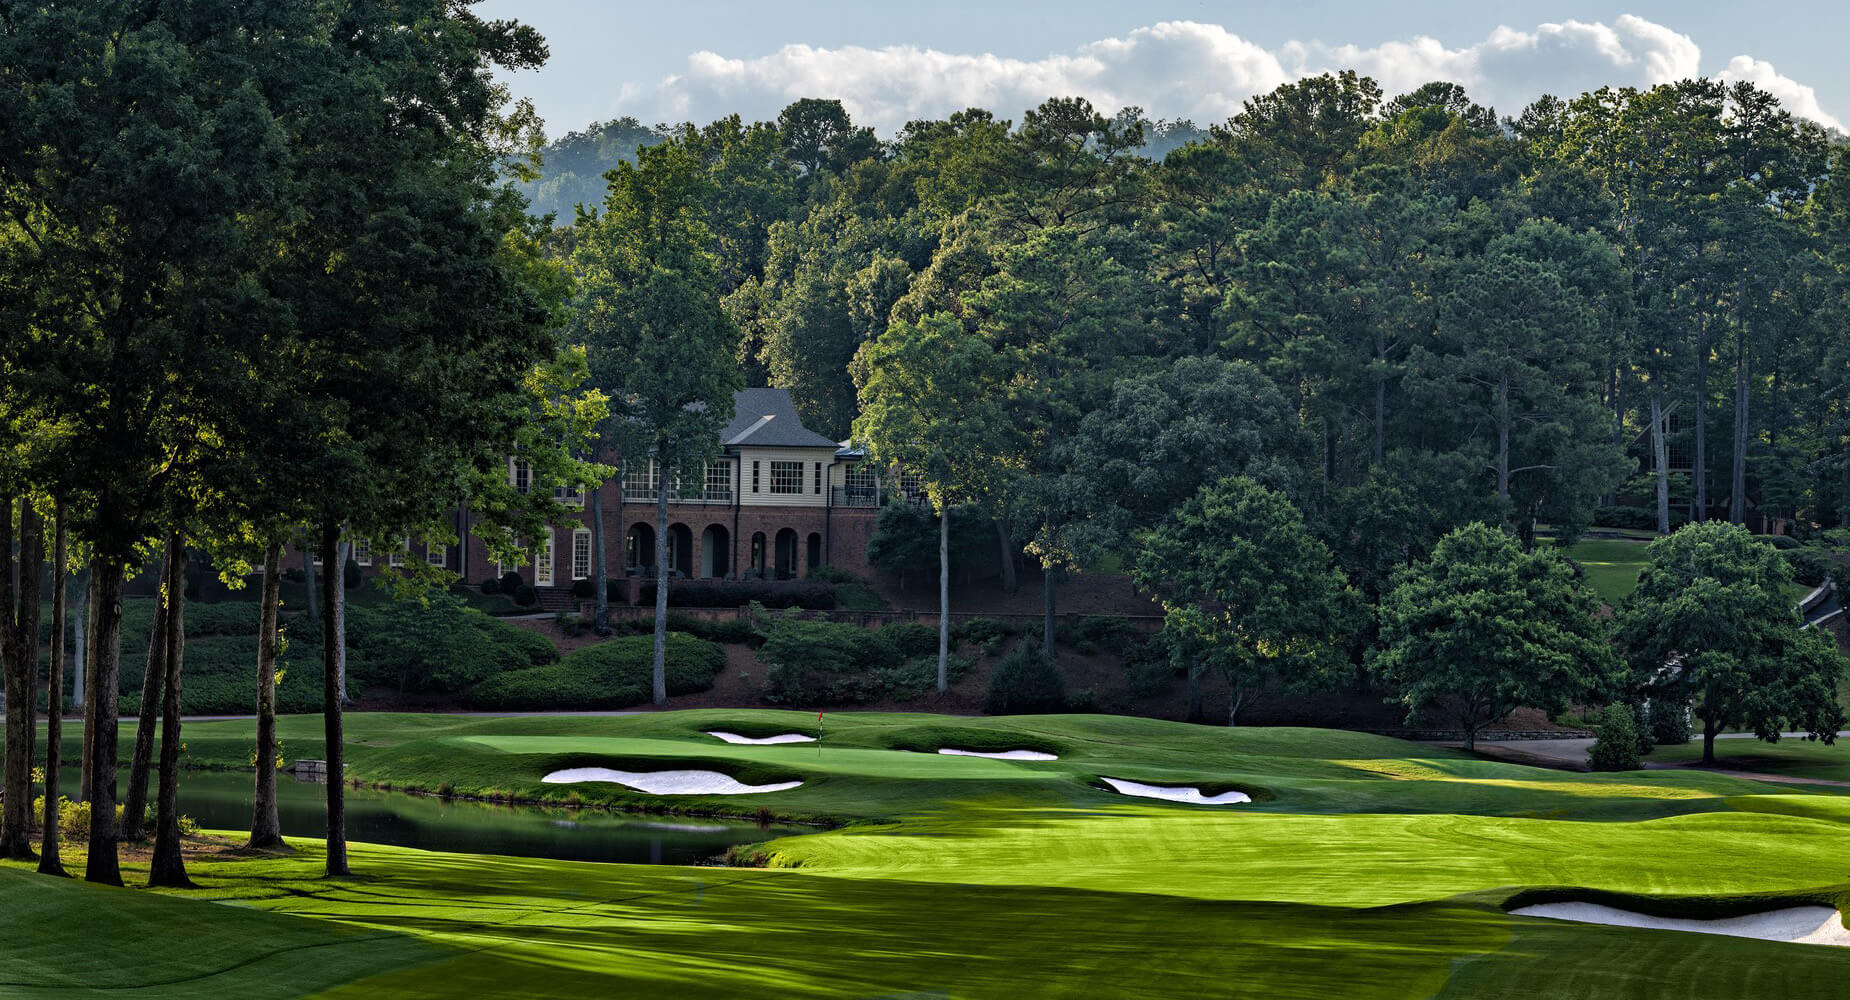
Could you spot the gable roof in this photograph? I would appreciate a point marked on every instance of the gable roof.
(766, 418)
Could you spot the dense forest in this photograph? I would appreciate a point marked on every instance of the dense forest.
(1407, 313)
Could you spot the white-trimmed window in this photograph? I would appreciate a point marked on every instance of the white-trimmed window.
(571, 496)
(640, 481)
(818, 478)
(719, 481)
(436, 554)
(519, 474)
(911, 486)
(786, 477)
(362, 552)
(859, 477)
(581, 553)
(542, 561)
(754, 475)
(398, 556)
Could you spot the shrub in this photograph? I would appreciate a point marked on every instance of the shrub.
(1615, 746)
(832, 574)
(911, 638)
(510, 582)
(524, 595)
(1025, 683)
(492, 585)
(1782, 542)
(826, 663)
(584, 590)
(1668, 723)
(985, 632)
(1095, 632)
(1809, 565)
(611, 674)
(569, 624)
(1618, 516)
(812, 595)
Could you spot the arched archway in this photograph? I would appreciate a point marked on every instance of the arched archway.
(715, 550)
(812, 557)
(786, 553)
(639, 550)
(758, 555)
(681, 550)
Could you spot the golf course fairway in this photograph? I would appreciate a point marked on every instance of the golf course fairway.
(1364, 867)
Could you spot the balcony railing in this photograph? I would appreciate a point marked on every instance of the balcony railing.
(632, 495)
(854, 496)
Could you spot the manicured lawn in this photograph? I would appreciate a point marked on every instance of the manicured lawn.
(1368, 867)
(1798, 758)
(1612, 565)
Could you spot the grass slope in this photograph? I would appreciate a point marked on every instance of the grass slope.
(1369, 867)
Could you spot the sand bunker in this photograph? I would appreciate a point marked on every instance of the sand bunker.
(1182, 793)
(759, 741)
(666, 782)
(1799, 924)
(1002, 755)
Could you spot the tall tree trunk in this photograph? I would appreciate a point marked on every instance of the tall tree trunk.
(1379, 450)
(1194, 695)
(600, 572)
(153, 686)
(80, 627)
(1503, 438)
(1737, 479)
(266, 826)
(1660, 458)
(84, 684)
(659, 672)
(1700, 474)
(1006, 550)
(1708, 742)
(168, 866)
(102, 864)
(22, 661)
(331, 707)
(1048, 583)
(310, 580)
(339, 600)
(944, 600)
(49, 861)
(1236, 696)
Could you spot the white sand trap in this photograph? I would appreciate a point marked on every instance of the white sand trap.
(1799, 924)
(1183, 793)
(759, 741)
(666, 782)
(1004, 755)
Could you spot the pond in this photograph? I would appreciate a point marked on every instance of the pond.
(219, 800)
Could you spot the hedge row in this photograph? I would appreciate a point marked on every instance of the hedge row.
(815, 595)
(612, 674)
(828, 663)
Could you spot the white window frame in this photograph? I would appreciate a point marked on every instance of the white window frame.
(581, 553)
(787, 486)
(363, 552)
(519, 474)
(436, 554)
(542, 561)
(398, 557)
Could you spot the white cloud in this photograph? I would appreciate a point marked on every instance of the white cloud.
(1188, 69)
(1794, 96)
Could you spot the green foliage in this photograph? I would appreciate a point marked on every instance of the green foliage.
(1025, 683)
(1247, 592)
(829, 663)
(1668, 723)
(986, 633)
(1710, 626)
(351, 575)
(491, 586)
(910, 639)
(614, 673)
(525, 595)
(510, 582)
(1482, 628)
(1615, 744)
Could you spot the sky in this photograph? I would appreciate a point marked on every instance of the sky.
(890, 63)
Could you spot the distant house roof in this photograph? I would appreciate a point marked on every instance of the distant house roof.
(766, 418)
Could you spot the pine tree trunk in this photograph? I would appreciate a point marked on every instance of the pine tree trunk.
(22, 657)
(49, 861)
(168, 867)
(659, 673)
(1700, 474)
(102, 864)
(339, 600)
(331, 707)
(266, 826)
(1006, 549)
(600, 572)
(1660, 458)
(84, 684)
(1737, 492)
(1047, 612)
(153, 683)
(944, 601)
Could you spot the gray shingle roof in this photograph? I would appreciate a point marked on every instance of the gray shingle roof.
(766, 418)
